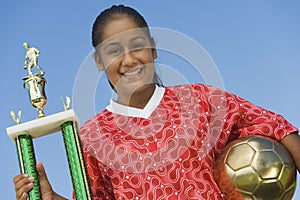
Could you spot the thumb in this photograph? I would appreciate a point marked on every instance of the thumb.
(41, 170)
(44, 182)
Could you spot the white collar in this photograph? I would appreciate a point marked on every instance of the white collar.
(152, 104)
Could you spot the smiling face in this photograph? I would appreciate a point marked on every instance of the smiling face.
(127, 55)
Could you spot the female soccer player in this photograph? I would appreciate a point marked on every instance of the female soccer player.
(155, 142)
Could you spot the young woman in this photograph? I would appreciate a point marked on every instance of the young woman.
(155, 142)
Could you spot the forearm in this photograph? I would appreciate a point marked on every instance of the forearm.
(292, 144)
(58, 197)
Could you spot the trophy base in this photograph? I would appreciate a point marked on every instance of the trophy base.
(48, 124)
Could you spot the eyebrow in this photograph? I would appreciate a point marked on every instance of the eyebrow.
(137, 37)
(118, 43)
(111, 44)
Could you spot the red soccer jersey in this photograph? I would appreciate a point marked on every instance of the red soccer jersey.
(167, 150)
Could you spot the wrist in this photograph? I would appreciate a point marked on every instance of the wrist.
(57, 197)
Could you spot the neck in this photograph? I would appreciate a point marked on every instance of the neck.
(139, 98)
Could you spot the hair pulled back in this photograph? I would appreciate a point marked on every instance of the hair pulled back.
(113, 13)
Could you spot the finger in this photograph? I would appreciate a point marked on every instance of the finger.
(46, 188)
(21, 180)
(19, 177)
(24, 196)
(23, 191)
(41, 171)
(23, 184)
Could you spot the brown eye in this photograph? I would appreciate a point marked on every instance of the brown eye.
(137, 46)
(114, 51)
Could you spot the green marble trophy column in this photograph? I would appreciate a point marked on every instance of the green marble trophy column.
(27, 162)
(76, 160)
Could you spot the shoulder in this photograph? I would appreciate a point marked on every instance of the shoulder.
(196, 89)
(196, 86)
(94, 122)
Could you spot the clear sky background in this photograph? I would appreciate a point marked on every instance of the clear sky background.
(254, 44)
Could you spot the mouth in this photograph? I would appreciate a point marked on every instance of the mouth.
(132, 73)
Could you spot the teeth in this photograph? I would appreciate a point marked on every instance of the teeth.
(132, 73)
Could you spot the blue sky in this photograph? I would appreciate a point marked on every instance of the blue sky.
(255, 46)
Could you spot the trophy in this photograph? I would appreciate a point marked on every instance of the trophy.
(66, 122)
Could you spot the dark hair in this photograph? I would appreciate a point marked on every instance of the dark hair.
(113, 13)
(117, 12)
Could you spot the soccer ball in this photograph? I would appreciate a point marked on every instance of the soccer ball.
(255, 167)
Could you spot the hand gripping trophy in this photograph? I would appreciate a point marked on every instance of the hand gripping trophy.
(66, 122)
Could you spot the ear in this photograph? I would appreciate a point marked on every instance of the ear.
(98, 61)
(154, 52)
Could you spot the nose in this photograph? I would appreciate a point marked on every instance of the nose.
(128, 59)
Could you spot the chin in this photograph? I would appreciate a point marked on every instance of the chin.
(134, 88)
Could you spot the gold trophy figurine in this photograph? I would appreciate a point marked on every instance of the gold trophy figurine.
(34, 83)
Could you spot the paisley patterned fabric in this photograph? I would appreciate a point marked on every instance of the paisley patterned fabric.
(170, 154)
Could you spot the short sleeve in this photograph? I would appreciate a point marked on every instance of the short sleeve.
(244, 118)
